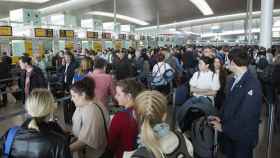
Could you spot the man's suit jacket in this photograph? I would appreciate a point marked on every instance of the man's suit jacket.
(69, 74)
(241, 112)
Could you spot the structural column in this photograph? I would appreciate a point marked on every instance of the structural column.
(266, 23)
(115, 23)
(250, 21)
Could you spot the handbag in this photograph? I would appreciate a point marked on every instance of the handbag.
(107, 153)
(7, 146)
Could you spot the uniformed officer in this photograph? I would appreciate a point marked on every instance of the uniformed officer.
(240, 118)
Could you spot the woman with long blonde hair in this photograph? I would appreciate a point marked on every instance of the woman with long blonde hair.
(38, 137)
(156, 139)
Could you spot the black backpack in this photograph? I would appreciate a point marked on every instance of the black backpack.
(203, 138)
(192, 117)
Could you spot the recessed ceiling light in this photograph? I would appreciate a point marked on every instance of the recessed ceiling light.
(201, 21)
(26, 1)
(203, 6)
(119, 16)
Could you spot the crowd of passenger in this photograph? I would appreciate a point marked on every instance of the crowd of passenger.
(140, 81)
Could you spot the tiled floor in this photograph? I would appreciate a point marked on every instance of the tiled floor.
(259, 153)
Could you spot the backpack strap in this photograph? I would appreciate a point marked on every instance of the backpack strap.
(182, 149)
(158, 72)
(143, 152)
(10, 139)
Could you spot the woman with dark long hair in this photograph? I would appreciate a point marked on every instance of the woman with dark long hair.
(205, 82)
(220, 70)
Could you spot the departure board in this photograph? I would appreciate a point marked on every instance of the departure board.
(142, 38)
(6, 31)
(122, 36)
(131, 37)
(92, 35)
(40, 32)
(66, 33)
(106, 35)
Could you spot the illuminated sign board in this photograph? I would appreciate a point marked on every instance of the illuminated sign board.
(6, 31)
(66, 33)
(122, 36)
(39, 32)
(106, 35)
(92, 35)
(131, 37)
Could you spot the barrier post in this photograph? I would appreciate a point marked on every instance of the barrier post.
(270, 129)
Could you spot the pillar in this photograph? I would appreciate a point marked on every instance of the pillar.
(266, 23)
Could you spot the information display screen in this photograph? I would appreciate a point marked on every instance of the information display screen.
(106, 35)
(142, 38)
(131, 37)
(122, 36)
(39, 32)
(92, 35)
(6, 31)
(66, 33)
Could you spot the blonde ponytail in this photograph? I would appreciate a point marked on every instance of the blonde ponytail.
(149, 138)
(39, 104)
(33, 125)
(151, 107)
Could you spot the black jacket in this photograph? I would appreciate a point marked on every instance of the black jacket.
(49, 142)
(123, 69)
(4, 70)
(69, 74)
(275, 78)
(37, 79)
(8, 60)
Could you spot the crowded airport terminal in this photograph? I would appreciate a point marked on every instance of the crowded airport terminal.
(140, 78)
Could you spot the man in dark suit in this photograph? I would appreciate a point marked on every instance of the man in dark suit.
(240, 118)
(67, 71)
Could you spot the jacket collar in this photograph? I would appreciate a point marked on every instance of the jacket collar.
(243, 79)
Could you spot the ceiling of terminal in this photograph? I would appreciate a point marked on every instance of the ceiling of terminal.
(169, 10)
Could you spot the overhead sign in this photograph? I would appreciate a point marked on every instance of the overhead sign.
(142, 38)
(131, 37)
(92, 35)
(6, 31)
(66, 33)
(122, 36)
(39, 32)
(106, 35)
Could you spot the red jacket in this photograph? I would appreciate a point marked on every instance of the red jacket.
(123, 133)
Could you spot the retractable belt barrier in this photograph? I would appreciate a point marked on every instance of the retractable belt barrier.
(9, 79)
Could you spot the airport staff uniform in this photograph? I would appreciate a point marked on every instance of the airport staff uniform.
(241, 116)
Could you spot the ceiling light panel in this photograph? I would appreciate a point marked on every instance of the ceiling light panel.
(119, 16)
(26, 1)
(203, 6)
